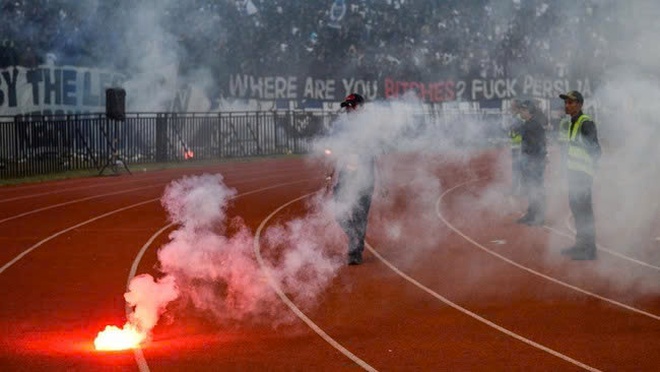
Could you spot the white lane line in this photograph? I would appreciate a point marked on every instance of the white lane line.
(70, 189)
(61, 232)
(343, 350)
(51, 237)
(33, 211)
(100, 196)
(477, 316)
(525, 268)
(159, 177)
(567, 222)
(276, 287)
(139, 355)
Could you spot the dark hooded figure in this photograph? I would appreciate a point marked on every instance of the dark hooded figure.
(353, 189)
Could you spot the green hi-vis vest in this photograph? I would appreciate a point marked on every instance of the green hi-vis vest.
(516, 139)
(578, 157)
(564, 128)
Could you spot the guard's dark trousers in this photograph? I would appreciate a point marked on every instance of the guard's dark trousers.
(516, 172)
(579, 199)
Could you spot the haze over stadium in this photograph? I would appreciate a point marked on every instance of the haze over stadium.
(477, 53)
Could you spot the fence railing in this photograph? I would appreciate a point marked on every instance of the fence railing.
(41, 144)
(38, 144)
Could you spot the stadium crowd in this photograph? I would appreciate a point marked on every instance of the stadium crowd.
(408, 38)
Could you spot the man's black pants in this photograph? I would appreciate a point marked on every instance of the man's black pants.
(534, 188)
(516, 171)
(355, 224)
(579, 199)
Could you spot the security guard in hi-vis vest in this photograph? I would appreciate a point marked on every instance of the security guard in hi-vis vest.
(582, 154)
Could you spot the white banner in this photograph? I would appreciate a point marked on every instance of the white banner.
(55, 89)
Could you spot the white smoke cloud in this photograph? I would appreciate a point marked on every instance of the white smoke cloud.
(149, 298)
(198, 202)
(625, 201)
(214, 267)
(309, 254)
(411, 153)
(619, 38)
(209, 262)
(153, 56)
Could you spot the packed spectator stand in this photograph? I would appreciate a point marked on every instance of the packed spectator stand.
(411, 40)
(372, 37)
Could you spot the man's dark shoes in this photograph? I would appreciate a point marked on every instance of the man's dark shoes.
(536, 222)
(354, 258)
(578, 253)
(570, 250)
(524, 219)
(584, 255)
(531, 220)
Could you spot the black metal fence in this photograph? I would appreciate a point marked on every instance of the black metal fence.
(39, 144)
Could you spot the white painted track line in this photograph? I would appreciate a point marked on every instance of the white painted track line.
(139, 355)
(276, 287)
(525, 268)
(343, 350)
(478, 317)
(33, 211)
(61, 232)
(600, 247)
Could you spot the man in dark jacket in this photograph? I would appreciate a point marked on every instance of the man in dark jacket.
(533, 154)
(583, 152)
(354, 187)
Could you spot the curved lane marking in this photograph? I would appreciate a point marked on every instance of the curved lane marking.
(95, 197)
(61, 232)
(570, 228)
(276, 287)
(138, 352)
(525, 268)
(53, 206)
(455, 306)
(477, 316)
(29, 196)
(139, 355)
(155, 178)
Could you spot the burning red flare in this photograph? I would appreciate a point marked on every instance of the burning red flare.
(188, 154)
(113, 338)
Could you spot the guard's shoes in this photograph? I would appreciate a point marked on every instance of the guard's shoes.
(570, 250)
(354, 258)
(536, 222)
(531, 220)
(584, 255)
(577, 253)
(524, 219)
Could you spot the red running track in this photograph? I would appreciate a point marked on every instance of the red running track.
(448, 283)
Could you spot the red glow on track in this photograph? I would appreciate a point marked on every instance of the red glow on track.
(113, 338)
(188, 154)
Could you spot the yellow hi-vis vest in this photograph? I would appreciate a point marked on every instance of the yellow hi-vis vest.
(578, 157)
(516, 139)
